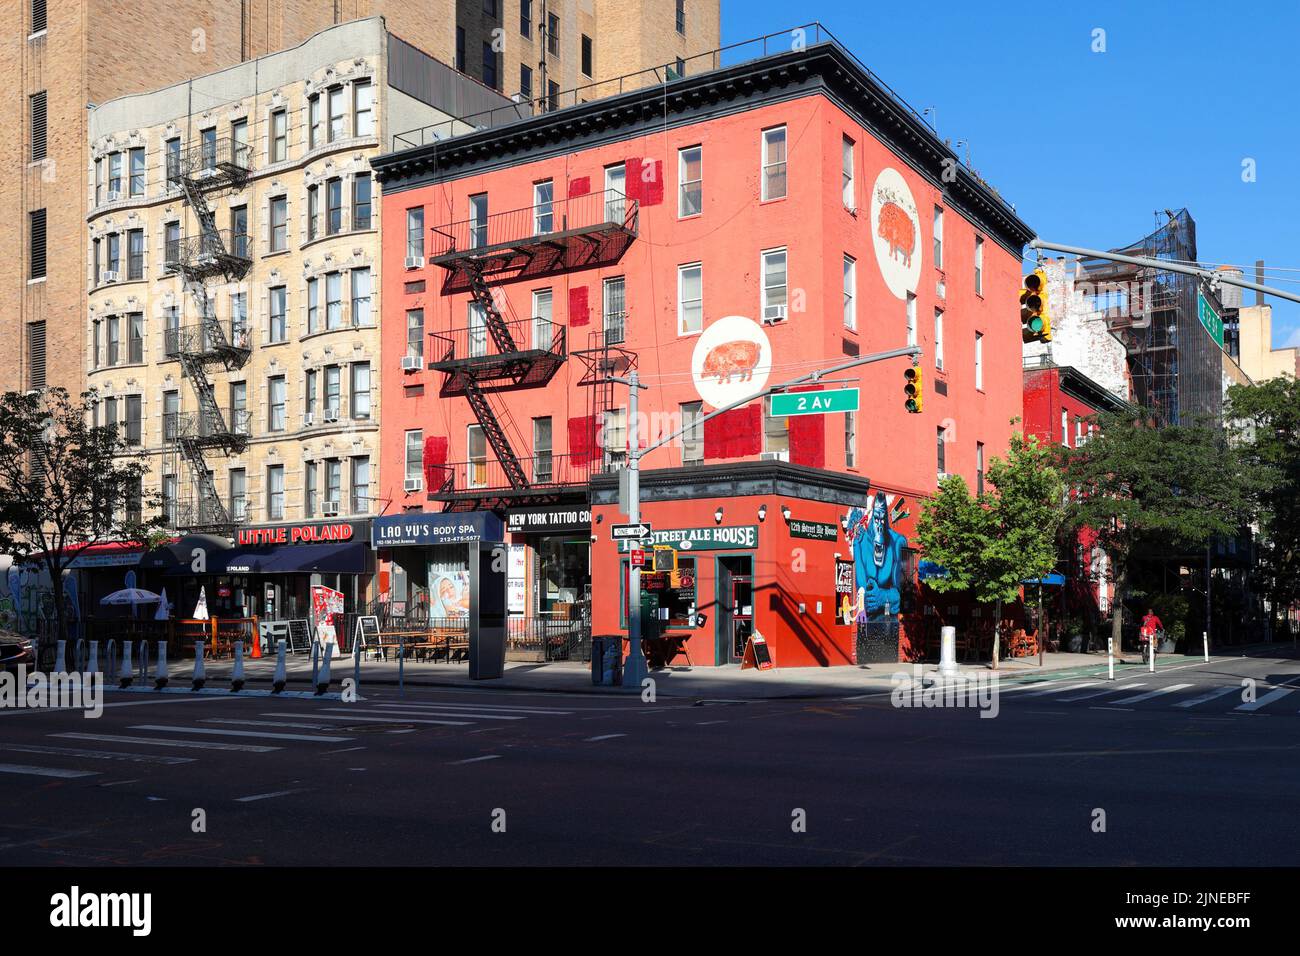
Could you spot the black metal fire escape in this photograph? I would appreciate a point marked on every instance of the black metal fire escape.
(202, 173)
(503, 352)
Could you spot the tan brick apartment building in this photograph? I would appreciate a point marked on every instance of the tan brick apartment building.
(63, 57)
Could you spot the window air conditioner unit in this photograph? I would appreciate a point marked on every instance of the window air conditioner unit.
(330, 509)
(410, 363)
(331, 415)
(775, 456)
(308, 420)
(415, 262)
(114, 195)
(773, 313)
(413, 484)
(108, 275)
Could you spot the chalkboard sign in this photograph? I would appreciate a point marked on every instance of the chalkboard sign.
(757, 653)
(368, 630)
(299, 637)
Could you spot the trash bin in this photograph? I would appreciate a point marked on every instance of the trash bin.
(607, 660)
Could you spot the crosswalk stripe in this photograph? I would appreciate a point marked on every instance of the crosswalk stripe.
(264, 723)
(1205, 698)
(506, 707)
(1100, 693)
(1159, 691)
(95, 754)
(1036, 687)
(1062, 690)
(438, 713)
(168, 728)
(160, 742)
(1268, 698)
(45, 771)
(394, 719)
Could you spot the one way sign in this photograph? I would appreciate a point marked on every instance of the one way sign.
(622, 532)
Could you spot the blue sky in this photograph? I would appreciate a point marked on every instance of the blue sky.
(1089, 145)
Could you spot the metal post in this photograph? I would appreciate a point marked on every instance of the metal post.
(634, 669)
(401, 663)
(1205, 645)
(1151, 654)
(1208, 579)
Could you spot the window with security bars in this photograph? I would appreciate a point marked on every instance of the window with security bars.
(36, 355)
(37, 103)
(36, 232)
(38, 16)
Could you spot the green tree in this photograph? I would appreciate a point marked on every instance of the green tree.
(1134, 482)
(989, 543)
(66, 484)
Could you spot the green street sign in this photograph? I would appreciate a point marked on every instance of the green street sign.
(815, 403)
(1210, 319)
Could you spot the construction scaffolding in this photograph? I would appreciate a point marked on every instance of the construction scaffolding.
(1175, 366)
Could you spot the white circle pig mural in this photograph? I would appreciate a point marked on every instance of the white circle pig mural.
(732, 360)
(896, 231)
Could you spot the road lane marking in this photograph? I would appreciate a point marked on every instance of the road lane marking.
(1159, 691)
(395, 719)
(264, 723)
(1207, 697)
(604, 737)
(19, 768)
(1101, 693)
(159, 742)
(268, 796)
(507, 707)
(1266, 699)
(435, 713)
(166, 728)
(1062, 690)
(96, 754)
(475, 759)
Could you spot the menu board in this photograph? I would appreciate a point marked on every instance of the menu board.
(299, 637)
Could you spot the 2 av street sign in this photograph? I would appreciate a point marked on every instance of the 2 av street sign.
(625, 532)
(815, 403)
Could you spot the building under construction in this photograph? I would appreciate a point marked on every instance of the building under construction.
(1175, 362)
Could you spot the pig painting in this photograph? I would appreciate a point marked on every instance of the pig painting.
(739, 357)
(896, 229)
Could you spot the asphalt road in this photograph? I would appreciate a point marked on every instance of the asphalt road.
(1185, 770)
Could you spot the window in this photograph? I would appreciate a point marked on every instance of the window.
(360, 298)
(938, 237)
(333, 481)
(774, 159)
(208, 142)
(36, 238)
(240, 153)
(543, 330)
(114, 338)
(363, 114)
(135, 254)
(543, 464)
(587, 56)
(171, 245)
(979, 265)
(614, 310)
(693, 437)
(313, 306)
(415, 233)
(113, 253)
(310, 489)
(681, 17)
(360, 391)
(774, 285)
(850, 439)
(38, 16)
(979, 468)
(415, 333)
(476, 451)
(979, 360)
(279, 136)
(489, 65)
(169, 500)
(278, 327)
(552, 95)
(313, 211)
(525, 82)
(136, 172)
(114, 176)
(333, 391)
(478, 225)
(460, 49)
(478, 338)
(526, 18)
(239, 408)
(309, 393)
(776, 431)
(490, 7)
(846, 174)
(334, 300)
(239, 231)
(680, 67)
(275, 492)
(360, 484)
(171, 414)
(414, 453)
(279, 224)
(333, 205)
(275, 403)
(238, 494)
(850, 293)
(615, 192)
(99, 181)
(135, 337)
(938, 339)
(171, 331)
(690, 298)
(552, 34)
(690, 181)
(911, 318)
(1065, 428)
(941, 441)
(313, 122)
(36, 103)
(133, 419)
(361, 201)
(173, 148)
(543, 207)
(335, 114)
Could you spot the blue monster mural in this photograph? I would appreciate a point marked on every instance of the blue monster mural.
(877, 561)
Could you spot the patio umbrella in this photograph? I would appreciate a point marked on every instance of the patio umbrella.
(201, 609)
(164, 607)
(131, 596)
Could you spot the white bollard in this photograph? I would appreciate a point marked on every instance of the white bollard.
(92, 663)
(1110, 653)
(61, 658)
(237, 675)
(124, 668)
(160, 668)
(279, 680)
(323, 677)
(948, 651)
(1151, 654)
(200, 671)
(1205, 645)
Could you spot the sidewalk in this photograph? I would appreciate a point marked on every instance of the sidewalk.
(725, 682)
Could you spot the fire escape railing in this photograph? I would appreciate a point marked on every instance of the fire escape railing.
(543, 223)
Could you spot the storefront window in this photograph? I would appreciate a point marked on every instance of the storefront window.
(562, 572)
(675, 591)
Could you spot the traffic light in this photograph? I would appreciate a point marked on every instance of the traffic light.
(1034, 315)
(664, 558)
(912, 389)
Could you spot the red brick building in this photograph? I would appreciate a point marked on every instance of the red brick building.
(724, 232)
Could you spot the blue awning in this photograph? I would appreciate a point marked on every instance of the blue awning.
(329, 558)
(928, 569)
(1050, 580)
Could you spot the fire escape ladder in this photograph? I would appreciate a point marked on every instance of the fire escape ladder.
(495, 435)
(495, 322)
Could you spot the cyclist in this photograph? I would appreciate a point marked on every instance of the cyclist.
(1149, 633)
